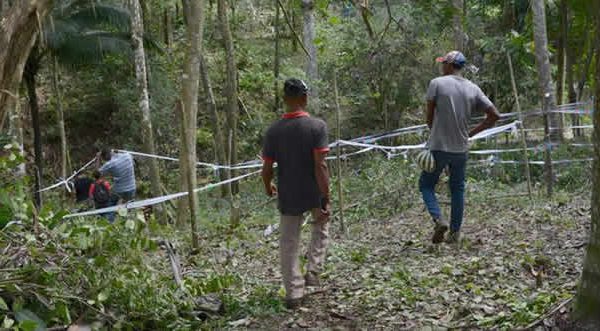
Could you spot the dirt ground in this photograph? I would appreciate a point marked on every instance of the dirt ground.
(518, 259)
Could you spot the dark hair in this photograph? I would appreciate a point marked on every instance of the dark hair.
(457, 66)
(294, 88)
(106, 154)
(97, 175)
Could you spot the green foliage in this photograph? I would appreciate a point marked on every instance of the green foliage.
(14, 205)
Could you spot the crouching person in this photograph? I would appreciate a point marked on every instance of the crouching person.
(101, 196)
(298, 144)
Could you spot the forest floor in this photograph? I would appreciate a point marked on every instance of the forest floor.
(517, 260)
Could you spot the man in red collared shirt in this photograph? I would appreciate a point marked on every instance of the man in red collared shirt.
(298, 144)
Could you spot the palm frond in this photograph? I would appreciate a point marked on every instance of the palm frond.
(92, 48)
(95, 16)
(58, 32)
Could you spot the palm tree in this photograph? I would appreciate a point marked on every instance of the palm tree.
(77, 32)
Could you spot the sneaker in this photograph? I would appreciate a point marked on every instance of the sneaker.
(439, 230)
(453, 237)
(312, 279)
(293, 304)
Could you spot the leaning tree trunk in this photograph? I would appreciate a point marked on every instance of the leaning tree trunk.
(232, 102)
(546, 93)
(18, 33)
(189, 107)
(61, 119)
(312, 73)
(543, 64)
(30, 73)
(457, 22)
(587, 306)
(137, 29)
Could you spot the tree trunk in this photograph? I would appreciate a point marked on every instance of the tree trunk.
(219, 139)
(189, 107)
(570, 82)
(457, 22)
(137, 39)
(309, 33)
(232, 102)
(230, 86)
(276, 102)
(560, 61)
(546, 93)
(18, 33)
(4, 5)
(363, 7)
(29, 75)
(15, 130)
(61, 119)
(587, 303)
(593, 46)
(167, 27)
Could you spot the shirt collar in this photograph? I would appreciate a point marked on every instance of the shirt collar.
(295, 114)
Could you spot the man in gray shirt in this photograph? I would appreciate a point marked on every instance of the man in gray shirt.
(451, 99)
(120, 167)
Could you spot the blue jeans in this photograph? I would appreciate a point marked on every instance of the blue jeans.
(457, 163)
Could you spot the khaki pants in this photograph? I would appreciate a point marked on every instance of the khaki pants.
(289, 251)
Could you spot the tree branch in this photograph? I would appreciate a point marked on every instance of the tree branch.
(287, 20)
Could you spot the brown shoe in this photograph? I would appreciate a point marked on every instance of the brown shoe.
(293, 304)
(312, 279)
(439, 230)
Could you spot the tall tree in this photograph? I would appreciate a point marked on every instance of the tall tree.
(587, 305)
(18, 33)
(309, 33)
(276, 102)
(546, 93)
(231, 93)
(167, 25)
(189, 107)
(543, 64)
(137, 39)
(570, 71)
(15, 130)
(4, 5)
(219, 138)
(457, 23)
(560, 61)
(29, 75)
(61, 118)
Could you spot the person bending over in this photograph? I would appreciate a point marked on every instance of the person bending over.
(120, 167)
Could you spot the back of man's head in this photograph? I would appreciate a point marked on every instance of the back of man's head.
(295, 94)
(97, 175)
(106, 154)
(294, 88)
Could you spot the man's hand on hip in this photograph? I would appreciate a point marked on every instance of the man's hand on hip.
(271, 190)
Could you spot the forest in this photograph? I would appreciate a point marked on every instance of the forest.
(159, 160)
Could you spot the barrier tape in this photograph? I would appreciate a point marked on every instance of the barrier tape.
(68, 179)
(566, 161)
(245, 165)
(156, 200)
